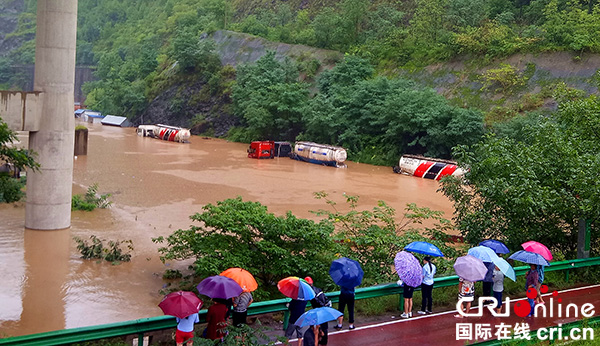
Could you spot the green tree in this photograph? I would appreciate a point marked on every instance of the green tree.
(270, 98)
(536, 188)
(373, 237)
(235, 233)
(10, 190)
(381, 118)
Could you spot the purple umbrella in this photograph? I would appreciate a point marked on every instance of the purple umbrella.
(470, 268)
(219, 287)
(408, 268)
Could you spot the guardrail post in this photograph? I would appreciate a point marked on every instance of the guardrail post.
(567, 275)
(140, 339)
(286, 319)
(400, 302)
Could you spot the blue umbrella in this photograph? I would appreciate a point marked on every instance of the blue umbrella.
(317, 316)
(408, 268)
(529, 257)
(495, 245)
(424, 248)
(506, 269)
(346, 272)
(483, 253)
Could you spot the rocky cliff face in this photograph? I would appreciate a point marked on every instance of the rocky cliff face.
(192, 106)
(236, 48)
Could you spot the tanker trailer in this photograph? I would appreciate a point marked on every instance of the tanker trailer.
(165, 132)
(321, 154)
(427, 167)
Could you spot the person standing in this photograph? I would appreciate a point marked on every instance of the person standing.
(216, 319)
(488, 280)
(185, 329)
(531, 282)
(313, 336)
(539, 299)
(296, 309)
(429, 271)
(240, 308)
(346, 299)
(466, 293)
(498, 287)
(407, 292)
(320, 300)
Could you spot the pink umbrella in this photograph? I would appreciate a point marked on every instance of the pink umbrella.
(538, 248)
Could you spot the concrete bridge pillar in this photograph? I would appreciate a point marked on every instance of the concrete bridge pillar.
(49, 190)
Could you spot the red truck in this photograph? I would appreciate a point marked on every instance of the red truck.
(262, 150)
(269, 149)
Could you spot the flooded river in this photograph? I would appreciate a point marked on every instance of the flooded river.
(155, 187)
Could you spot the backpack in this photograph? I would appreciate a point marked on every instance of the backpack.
(320, 300)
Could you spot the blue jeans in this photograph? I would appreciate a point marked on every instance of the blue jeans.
(532, 304)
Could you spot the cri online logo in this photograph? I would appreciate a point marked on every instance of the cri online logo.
(523, 309)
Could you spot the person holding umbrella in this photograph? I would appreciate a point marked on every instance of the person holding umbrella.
(429, 270)
(469, 269)
(240, 303)
(466, 292)
(185, 329)
(315, 319)
(498, 287)
(411, 275)
(542, 250)
(537, 255)
(301, 292)
(531, 283)
(220, 289)
(184, 306)
(216, 319)
(240, 308)
(348, 274)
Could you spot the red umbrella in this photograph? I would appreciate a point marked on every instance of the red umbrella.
(538, 248)
(296, 288)
(180, 304)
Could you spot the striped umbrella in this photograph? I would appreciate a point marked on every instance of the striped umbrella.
(295, 288)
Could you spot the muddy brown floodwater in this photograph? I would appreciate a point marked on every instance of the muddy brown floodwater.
(155, 186)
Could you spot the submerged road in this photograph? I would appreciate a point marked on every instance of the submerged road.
(441, 328)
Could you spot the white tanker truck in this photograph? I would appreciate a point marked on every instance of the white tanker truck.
(427, 167)
(320, 154)
(165, 132)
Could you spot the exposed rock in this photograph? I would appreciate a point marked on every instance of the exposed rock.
(236, 48)
(190, 105)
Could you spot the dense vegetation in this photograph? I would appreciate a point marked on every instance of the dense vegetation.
(236, 233)
(536, 182)
(142, 48)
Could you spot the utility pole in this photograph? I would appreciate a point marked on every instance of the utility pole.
(583, 238)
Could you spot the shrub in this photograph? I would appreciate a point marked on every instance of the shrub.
(373, 237)
(91, 200)
(10, 189)
(97, 249)
(506, 77)
(235, 233)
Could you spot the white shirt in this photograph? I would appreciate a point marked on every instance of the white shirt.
(428, 274)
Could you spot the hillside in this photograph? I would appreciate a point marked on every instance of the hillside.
(362, 74)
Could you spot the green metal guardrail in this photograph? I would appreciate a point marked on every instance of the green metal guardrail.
(144, 325)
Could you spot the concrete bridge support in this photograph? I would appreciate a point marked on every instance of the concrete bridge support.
(49, 190)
